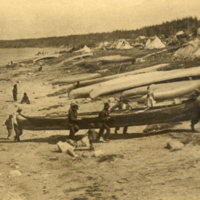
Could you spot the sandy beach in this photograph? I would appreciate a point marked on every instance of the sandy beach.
(134, 166)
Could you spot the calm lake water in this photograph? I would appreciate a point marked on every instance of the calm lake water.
(17, 54)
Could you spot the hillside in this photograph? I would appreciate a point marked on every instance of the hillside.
(167, 29)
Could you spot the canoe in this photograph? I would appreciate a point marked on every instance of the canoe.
(74, 59)
(107, 78)
(110, 59)
(164, 90)
(76, 78)
(91, 84)
(129, 82)
(185, 111)
(46, 57)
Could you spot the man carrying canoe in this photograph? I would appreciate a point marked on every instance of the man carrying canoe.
(17, 128)
(72, 120)
(120, 104)
(104, 117)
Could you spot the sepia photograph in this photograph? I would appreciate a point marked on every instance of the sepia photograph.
(99, 100)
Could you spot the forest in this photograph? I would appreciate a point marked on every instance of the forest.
(167, 29)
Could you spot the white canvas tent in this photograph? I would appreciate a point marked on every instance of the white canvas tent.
(148, 42)
(155, 44)
(189, 50)
(85, 49)
(180, 33)
(121, 44)
(103, 45)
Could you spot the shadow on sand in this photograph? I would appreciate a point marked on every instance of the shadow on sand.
(54, 139)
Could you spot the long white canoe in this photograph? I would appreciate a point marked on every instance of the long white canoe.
(163, 87)
(171, 90)
(142, 79)
(46, 57)
(110, 59)
(84, 91)
(76, 78)
(74, 58)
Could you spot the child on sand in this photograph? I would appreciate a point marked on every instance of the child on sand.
(9, 125)
(92, 135)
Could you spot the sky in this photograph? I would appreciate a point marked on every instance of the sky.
(22, 19)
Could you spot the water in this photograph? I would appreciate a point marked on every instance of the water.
(18, 54)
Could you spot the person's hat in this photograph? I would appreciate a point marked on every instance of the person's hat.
(19, 110)
(74, 105)
(10, 116)
(106, 104)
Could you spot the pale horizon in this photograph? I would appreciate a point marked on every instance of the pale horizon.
(22, 19)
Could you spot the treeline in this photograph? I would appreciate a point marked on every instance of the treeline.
(168, 29)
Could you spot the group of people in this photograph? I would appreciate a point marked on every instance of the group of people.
(25, 98)
(11, 123)
(104, 118)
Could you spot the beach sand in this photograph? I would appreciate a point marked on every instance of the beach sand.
(133, 167)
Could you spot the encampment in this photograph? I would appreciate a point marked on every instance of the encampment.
(155, 44)
(121, 44)
(103, 45)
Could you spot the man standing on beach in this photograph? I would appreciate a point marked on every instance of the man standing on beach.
(14, 91)
(17, 128)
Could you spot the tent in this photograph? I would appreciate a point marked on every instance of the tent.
(120, 44)
(189, 50)
(103, 45)
(85, 49)
(180, 33)
(155, 44)
(148, 42)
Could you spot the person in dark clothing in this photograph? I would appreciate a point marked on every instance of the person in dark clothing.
(14, 91)
(9, 125)
(25, 99)
(92, 135)
(104, 118)
(119, 105)
(17, 128)
(194, 121)
(73, 120)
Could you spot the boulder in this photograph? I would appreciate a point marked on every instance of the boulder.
(64, 146)
(15, 173)
(98, 153)
(174, 145)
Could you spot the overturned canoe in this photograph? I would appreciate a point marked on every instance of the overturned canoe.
(91, 84)
(110, 59)
(129, 82)
(46, 57)
(164, 90)
(76, 78)
(74, 59)
(162, 114)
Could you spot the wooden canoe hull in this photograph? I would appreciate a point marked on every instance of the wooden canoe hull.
(164, 114)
